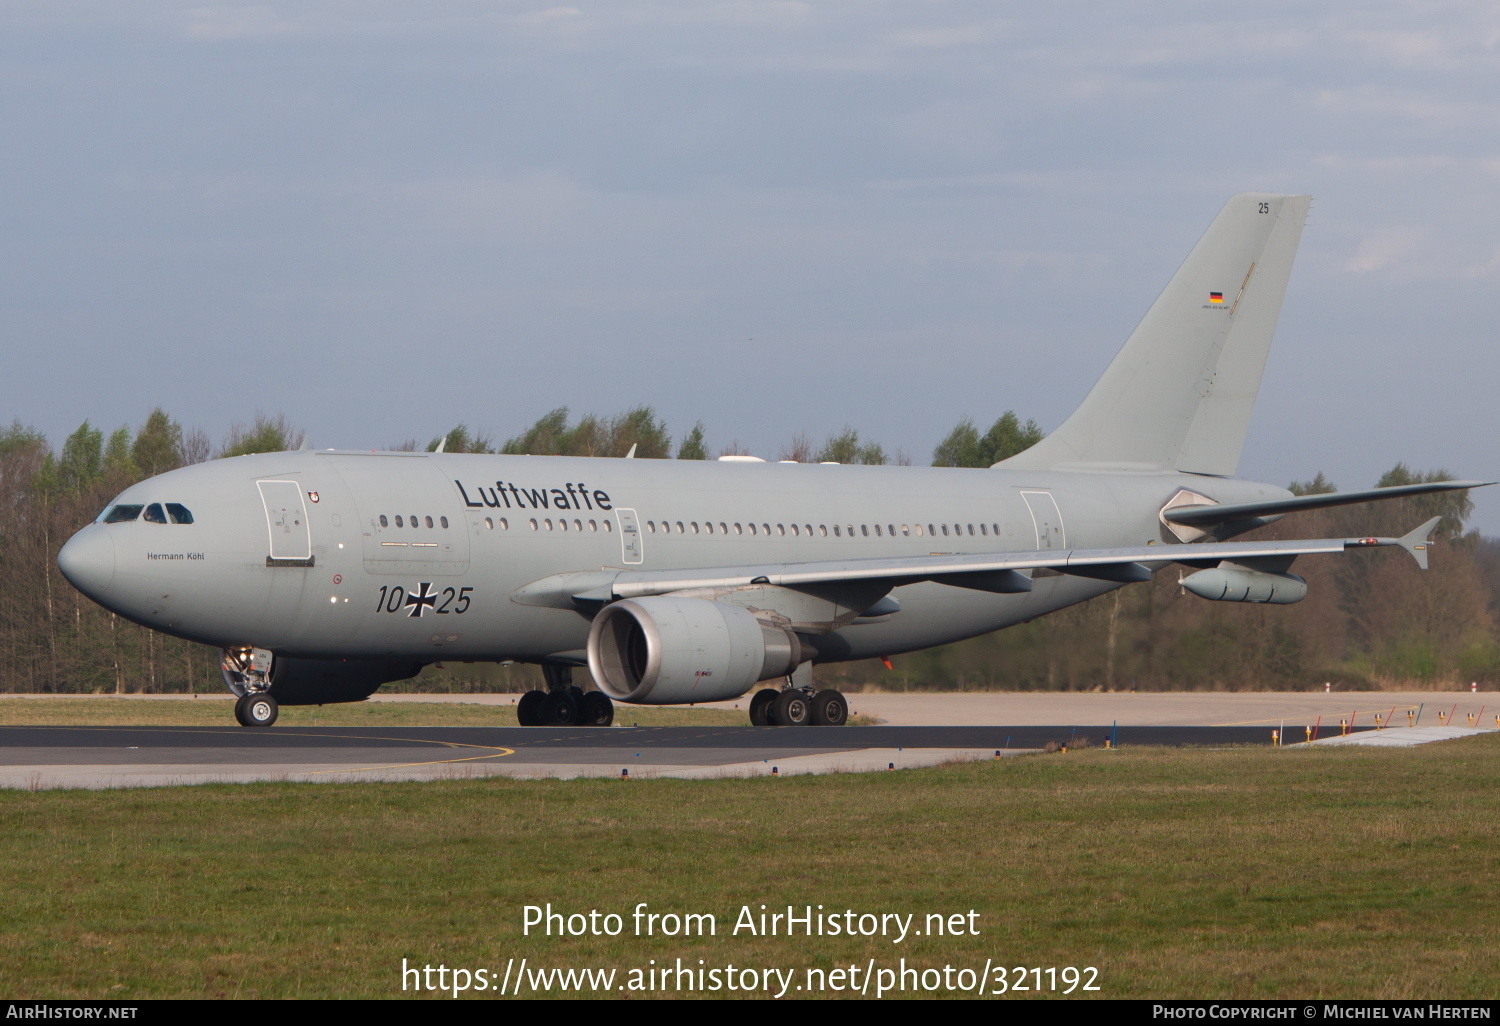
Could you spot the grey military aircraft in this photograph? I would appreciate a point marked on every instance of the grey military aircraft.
(322, 575)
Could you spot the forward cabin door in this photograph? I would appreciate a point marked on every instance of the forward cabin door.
(1048, 521)
(286, 521)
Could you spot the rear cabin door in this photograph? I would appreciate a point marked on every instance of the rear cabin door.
(286, 521)
(1048, 521)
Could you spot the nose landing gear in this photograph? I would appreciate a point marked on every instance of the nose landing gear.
(247, 672)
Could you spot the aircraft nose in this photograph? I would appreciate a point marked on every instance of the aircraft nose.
(88, 560)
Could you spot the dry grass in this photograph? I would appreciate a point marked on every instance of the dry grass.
(106, 711)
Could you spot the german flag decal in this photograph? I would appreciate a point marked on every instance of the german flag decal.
(1216, 297)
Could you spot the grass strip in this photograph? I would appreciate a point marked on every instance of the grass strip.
(1356, 873)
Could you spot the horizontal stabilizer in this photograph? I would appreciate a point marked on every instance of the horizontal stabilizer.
(1200, 516)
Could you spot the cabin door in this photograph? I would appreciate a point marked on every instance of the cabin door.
(286, 521)
(1048, 521)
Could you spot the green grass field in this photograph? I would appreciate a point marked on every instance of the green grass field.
(1186, 873)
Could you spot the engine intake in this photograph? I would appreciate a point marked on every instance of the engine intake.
(671, 651)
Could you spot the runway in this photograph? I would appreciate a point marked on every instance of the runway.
(92, 757)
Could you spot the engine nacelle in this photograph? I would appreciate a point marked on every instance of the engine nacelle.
(1229, 583)
(311, 681)
(671, 651)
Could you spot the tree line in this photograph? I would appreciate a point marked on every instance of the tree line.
(1371, 619)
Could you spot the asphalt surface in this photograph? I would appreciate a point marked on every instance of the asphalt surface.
(47, 757)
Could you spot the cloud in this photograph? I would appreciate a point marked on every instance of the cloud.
(223, 23)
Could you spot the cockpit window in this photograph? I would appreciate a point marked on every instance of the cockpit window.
(154, 514)
(123, 512)
(179, 513)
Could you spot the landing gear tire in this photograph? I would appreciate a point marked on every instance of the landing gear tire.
(256, 710)
(760, 707)
(792, 709)
(529, 708)
(559, 710)
(596, 710)
(829, 709)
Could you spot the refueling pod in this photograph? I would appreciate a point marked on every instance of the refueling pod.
(664, 650)
(1229, 582)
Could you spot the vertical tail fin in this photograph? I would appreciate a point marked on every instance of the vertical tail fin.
(1179, 395)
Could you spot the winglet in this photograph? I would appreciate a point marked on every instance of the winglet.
(442, 444)
(1416, 542)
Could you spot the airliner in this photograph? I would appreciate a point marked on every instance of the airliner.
(323, 574)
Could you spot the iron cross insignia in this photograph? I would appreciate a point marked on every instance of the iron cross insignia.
(421, 601)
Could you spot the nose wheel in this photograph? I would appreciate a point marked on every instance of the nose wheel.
(256, 710)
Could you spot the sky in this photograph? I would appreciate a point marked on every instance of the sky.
(382, 219)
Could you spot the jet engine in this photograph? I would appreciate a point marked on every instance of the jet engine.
(1230, 583)
(671, 651)
(311, 681)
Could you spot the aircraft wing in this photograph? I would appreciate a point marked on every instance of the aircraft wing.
(997, 572)
(1205, 515)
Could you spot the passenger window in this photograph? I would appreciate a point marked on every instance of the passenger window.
(890, 529)
(984, 529)
(533, 523)
(444, 522)
(807, 530)
(823, 530)
(562, 525)
(594, 525)
(154, 514)
(752, 530)
(489, 523)
(399, 522)
(122, 513)
(178, 513)
(608, 526)
(414, 520)
(795, 532)
(850, 529)
(971, 529)
(383, 521)
(996, 529)
(945, 530)
(428, 521)
(765, 529)
(548, 523)
(738, 529)
(695, 527)
(780, 530)
(504, 524)
(708, 526)
(932, 531)
(650, 526)
(905, 531)
(680, 529)
(864, 529)
(919, 530)
(578, 525)
(723, 527)
(836, 532)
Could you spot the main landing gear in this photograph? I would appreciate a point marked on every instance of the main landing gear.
(563, 704)
(798, 707)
